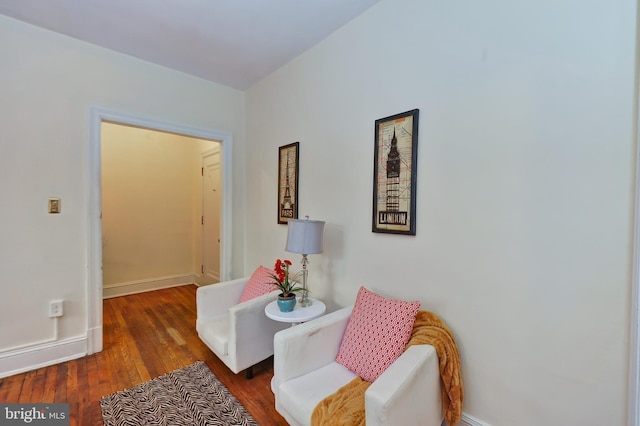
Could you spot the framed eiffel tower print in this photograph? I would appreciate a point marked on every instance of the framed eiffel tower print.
(288, 158)
(394, 174)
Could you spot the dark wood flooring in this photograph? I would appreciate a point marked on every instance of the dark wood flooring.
(145, 335)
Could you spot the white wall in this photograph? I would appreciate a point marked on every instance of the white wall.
(49, 82)
(525, 177)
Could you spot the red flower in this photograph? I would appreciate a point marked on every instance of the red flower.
(282, 279)
(281, 268)
(278, 266)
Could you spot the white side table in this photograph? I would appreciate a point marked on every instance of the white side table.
(299, 313)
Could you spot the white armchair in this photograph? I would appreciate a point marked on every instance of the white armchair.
(305, 372)
(238, 333)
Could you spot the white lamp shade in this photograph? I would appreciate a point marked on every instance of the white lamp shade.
(304, 236)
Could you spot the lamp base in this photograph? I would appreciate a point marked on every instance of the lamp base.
(305, 301)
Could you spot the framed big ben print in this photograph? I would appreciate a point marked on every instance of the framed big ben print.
(395, 174)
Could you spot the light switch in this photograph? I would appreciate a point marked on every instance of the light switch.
(54, 205)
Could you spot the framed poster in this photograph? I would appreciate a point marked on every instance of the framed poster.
(394, 174)
(288, 158)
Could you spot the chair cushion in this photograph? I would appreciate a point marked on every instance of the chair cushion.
(215, 334)
(377, 333)
(302, 394)
(259, 283)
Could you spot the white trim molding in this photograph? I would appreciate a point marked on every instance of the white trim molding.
(633, 409)
(94, 196)
(37, 356)
(141, 286)
(468, 420)
(472, 421)
(633, 397)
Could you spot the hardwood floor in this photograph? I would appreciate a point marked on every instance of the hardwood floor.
(145, 335)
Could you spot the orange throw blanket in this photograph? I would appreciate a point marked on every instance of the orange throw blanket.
(346, 405)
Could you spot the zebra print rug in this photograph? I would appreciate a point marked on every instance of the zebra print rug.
(189, 396)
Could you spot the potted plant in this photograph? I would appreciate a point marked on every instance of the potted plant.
(286, 283)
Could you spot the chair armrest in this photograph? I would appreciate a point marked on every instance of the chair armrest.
(408, 392)
(306, 347)
(214, 300)
(250, 331)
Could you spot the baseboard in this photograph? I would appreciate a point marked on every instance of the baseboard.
(141, 286)
(468, 420)
(94, 339)
(31, 358)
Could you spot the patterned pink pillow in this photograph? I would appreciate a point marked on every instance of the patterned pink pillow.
(258, 284)
(377, 333)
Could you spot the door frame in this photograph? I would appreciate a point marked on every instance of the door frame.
(633, 403)
(97, 115)
(207, 153)
(633, 409)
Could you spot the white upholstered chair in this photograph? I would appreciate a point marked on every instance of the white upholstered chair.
(238, 333)
(306, 371)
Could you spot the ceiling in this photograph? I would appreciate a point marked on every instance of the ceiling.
(232, 42)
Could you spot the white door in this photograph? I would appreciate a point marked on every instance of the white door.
(211, 195)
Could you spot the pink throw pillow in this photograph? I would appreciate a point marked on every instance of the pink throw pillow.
(377, 333)
(258, 284)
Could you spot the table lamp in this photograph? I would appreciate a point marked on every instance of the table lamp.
(304, 237)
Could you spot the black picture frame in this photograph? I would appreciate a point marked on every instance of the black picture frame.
(288, 171)
(395, 173)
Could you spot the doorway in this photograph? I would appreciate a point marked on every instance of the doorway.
(152, 199)
(94, 196)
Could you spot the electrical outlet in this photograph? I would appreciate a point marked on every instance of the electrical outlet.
(55, 308)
